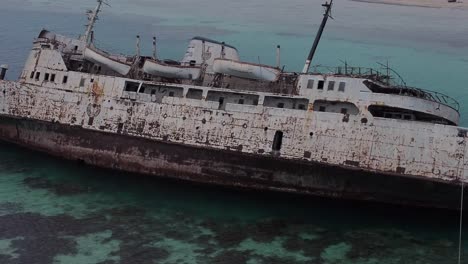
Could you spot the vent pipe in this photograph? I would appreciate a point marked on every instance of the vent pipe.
(154, 49)
(326, 15)
(222, 51)
(138, 46)
(278, 56)
(3, 70)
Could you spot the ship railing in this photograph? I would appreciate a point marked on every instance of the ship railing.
(434, 97)
(387, 80)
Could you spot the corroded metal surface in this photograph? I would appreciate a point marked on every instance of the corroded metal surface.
(322, 154)
(233, 169)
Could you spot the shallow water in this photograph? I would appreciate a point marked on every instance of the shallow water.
(59, 212)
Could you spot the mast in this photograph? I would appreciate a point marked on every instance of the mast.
(92, 18)
(326, 15)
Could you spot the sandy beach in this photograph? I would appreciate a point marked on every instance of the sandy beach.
(421, 3)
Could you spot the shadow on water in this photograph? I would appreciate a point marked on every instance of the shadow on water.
(65, 207)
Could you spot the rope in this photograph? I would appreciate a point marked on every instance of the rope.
(461, 224)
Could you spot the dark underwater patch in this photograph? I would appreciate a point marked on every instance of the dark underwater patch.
(61, 189)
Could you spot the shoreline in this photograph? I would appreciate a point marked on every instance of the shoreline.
(420, 3)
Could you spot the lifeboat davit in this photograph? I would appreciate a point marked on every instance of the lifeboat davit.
(102, 58)
(246, 70)
(161, 69)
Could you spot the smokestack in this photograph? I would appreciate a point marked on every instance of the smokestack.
(138, 46)
(3, 70)
(278, 56)
(154, 48)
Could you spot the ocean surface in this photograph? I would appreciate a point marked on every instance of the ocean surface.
(52, 211)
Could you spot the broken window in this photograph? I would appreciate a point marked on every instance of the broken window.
(38, 74)
(321, 83)
(46, 77)
(331, 85)
(65, 79)
(52, 78)
(285, 102)
(225, 98)
(221, 102)
(310, 84)
(32, 75)
(342, 86)
(195, 94)
(131, 86)
(338, 107)
(406, 114)
(277, 141)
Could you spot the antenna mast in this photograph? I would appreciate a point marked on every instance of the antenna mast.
(328, 7)
(92, 18)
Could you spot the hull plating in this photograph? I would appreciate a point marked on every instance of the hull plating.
(205, 165)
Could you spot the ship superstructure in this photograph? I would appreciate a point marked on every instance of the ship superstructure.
(341, 132)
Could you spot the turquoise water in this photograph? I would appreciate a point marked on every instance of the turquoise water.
(59, 212)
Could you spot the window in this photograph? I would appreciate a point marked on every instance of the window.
(76, 48)
(320, 85)
(38, 74)
(331, 85)
(241, 101)
(342, 86)
(46, 77)
(301, 107)
(397, 116)
(52, 78)
(65, 79)
(388, 115)
(407, 117)
(322, 109)
(153, 91)
(171, 94)
(310, 84)
(82, 81)
(32, 75)
(344, 111)
(280, 105)
(92, 80)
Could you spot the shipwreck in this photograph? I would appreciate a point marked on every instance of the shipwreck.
(342, 132)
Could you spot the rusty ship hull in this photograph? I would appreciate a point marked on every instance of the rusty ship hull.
(226, 168)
